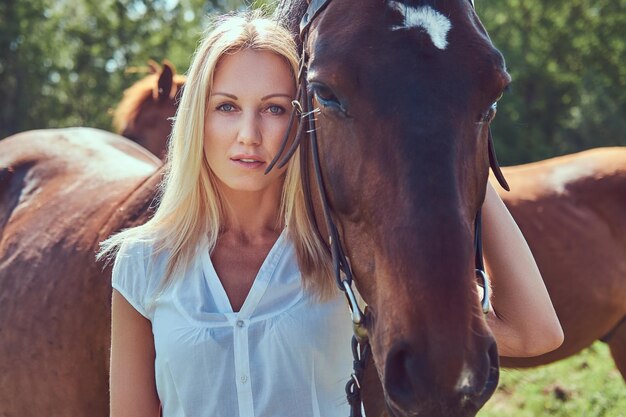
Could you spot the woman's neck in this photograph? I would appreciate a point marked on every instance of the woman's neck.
(252, 216)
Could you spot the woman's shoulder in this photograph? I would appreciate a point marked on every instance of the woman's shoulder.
(143, 257)
(137, 271)
(137, 251)
(137, 246)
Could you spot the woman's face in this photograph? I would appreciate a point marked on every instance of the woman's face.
(247, 116)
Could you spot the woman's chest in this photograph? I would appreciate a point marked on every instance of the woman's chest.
(182, 327)
(237, 267)
(219, 363)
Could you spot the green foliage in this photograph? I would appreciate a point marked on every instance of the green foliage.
(585, 385)
(566, 58)
(67, 62)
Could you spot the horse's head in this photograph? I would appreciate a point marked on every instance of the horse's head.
(405, 92)
(144, 114)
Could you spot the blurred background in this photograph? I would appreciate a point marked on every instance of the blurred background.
(67, 62)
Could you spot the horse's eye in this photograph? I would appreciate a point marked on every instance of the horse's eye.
(491, 113)
(488, 116)
(326, 97)
(324, 93)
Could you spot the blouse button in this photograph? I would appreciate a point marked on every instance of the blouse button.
(240, 323)
(244, 379)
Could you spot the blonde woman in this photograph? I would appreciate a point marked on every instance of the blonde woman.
(214, 272)
(192, 287)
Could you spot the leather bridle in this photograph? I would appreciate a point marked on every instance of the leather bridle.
(303, 106)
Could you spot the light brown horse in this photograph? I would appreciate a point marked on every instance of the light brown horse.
(571, 210)
(61, 193)
(145, 113)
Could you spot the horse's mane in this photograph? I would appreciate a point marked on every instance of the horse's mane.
(289, 13)
(136, 95)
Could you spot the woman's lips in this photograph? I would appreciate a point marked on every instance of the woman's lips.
(248, 163)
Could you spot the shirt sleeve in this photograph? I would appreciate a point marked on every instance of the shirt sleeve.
(129, 275)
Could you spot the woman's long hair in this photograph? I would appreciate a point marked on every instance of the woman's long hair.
(191, 207)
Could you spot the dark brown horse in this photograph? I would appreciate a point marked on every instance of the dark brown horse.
(145, 113)
(405, 93)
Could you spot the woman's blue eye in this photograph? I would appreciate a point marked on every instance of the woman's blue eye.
(274, 109)
(227, 107)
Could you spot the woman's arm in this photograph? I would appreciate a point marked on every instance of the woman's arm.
(523, 319)
(132, 381)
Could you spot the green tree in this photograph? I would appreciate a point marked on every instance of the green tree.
(569, 78)
(65, 62)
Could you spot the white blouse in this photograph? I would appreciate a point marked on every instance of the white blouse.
(284, 354)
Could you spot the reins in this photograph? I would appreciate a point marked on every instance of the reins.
(303, 107)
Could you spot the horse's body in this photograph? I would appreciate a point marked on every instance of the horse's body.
(61, 193)
(571, 210)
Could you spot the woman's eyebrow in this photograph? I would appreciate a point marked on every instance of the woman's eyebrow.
(267, 97)
(234, 97)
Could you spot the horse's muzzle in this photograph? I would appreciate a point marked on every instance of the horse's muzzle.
(413, 388)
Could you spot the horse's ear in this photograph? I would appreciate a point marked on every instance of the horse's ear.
(155, 68)
(165, 82)
(167, 63)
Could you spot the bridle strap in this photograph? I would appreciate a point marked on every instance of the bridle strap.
(340, 266)
(493, 162)
(314, 9)
(481, 274)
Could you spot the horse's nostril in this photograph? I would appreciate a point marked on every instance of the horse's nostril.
(494, 368)
(493, 375)
(402, 376)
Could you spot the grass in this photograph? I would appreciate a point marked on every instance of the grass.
(586, 385)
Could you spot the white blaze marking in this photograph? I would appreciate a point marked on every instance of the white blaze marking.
(466, 379)
(427, 18)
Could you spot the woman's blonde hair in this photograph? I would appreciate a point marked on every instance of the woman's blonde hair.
(191, 206)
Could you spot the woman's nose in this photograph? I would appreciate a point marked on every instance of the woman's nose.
(249, 132)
